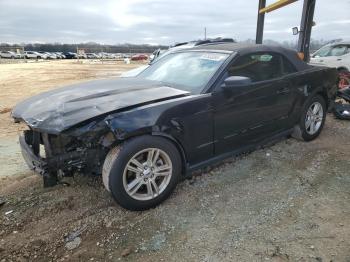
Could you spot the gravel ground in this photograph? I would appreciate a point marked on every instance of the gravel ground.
(286, 202)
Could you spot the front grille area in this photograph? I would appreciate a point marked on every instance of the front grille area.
(47, 145)
(33, 139)
(64, 153)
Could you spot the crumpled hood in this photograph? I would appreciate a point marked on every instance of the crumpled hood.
(59, 109)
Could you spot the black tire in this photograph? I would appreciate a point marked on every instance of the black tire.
(117, 159)
(300, 131)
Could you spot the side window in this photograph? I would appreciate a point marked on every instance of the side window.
(288, 68)
(257, 66)
(347, 49)
(338, 50)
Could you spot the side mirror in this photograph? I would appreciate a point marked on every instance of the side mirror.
(236, 81)
(295, 30)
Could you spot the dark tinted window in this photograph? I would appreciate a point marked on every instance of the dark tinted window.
(288, 68)
(258, 67)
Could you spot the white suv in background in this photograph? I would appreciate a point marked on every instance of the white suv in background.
(333, 55)
(9, 54)
(32, 54)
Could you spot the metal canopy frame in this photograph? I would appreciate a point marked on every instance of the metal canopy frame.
(306, 23)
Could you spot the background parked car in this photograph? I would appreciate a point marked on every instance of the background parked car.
(92, 56)
(32, 55)
(335, 55)
(60, 55)
(71, 55)
(111, 56)
(103, 55)
(51, 55)
(43, 54)
(82, 56)
(139, 57)
(9, 54)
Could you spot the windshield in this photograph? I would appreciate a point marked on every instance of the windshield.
(331, 51)
(189, 71)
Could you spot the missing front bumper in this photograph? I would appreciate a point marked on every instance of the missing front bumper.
(31, 155)
(32, 158)
(49, 155)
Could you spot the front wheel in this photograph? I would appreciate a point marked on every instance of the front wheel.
(312, 119)
(143, 172)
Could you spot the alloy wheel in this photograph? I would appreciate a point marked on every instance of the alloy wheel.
(314, 118)
(147, 174)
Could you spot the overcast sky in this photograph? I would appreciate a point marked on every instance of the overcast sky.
(160, 21)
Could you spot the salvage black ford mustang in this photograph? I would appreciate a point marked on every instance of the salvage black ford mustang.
(189, 109)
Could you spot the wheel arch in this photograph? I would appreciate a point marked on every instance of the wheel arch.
(121, 137)
(321, 91)
(179, 147)
(324, 95)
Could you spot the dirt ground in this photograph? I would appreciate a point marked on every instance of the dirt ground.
(286, 202)
(21, 80)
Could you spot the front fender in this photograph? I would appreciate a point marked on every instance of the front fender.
(187, 121)
(146, 121)
(135, 122)
(159, 117)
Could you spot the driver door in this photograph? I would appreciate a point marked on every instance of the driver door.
(247, 114)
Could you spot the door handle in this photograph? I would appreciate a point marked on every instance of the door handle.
(339, 59)
(283, 91)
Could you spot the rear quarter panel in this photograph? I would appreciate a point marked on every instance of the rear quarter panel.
(314, 80)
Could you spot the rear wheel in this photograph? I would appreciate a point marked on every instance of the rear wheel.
(142, 172)
(312, 119)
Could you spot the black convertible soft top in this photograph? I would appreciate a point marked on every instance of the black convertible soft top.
(243, 48)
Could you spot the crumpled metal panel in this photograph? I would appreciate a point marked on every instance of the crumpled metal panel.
(60, 109)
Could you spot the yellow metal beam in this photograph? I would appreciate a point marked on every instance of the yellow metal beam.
(276, 5)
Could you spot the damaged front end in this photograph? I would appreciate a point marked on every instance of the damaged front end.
(68, 129)
(80, 150)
